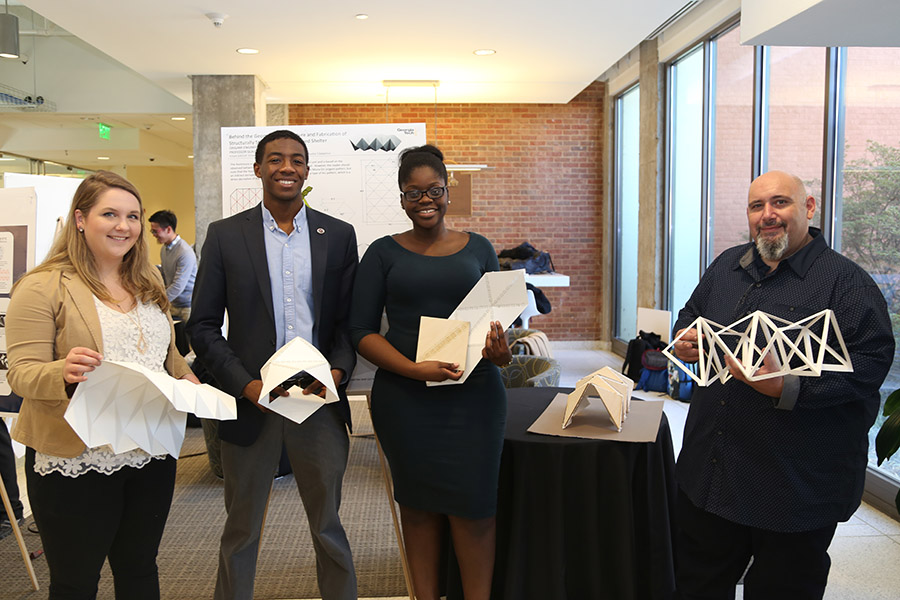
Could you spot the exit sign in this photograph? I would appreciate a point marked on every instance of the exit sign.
(104, 130)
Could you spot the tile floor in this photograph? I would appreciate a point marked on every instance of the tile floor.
(865, 553)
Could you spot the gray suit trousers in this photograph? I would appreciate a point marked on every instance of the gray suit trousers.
(318, 450)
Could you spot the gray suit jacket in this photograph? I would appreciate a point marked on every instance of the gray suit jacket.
(234, 275)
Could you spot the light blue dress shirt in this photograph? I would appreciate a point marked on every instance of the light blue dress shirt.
(290, 273)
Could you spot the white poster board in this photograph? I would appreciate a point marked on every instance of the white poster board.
(54, 197)
(352, 170)
(17, 228)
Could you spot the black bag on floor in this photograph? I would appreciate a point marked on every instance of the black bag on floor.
(646, 340)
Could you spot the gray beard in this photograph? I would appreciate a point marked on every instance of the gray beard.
(772, 250)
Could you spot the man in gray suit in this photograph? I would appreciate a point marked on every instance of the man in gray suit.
(281, 270)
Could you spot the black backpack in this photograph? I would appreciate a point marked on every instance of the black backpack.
(646, 340)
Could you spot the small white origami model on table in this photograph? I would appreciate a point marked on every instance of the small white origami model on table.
(796, 348)
(613, 389)
(498, 296)
(128, 406)
(295, 356)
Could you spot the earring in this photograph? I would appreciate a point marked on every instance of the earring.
(448, 202)
(80, 230)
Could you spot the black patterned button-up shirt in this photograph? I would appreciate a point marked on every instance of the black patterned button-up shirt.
(795, 463)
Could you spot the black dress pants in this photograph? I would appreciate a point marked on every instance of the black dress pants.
(83, 520)
(8, 472)
(712, 553)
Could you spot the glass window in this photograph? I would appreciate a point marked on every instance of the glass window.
(685, 177)
(796, 112)
(627, 155)
(732, 141)
(868, 212)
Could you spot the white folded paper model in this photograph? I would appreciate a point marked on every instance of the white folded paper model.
(498, 296)
(444, 340)
(128, 406)
(295, 356)
(613, 389)
(804, 348)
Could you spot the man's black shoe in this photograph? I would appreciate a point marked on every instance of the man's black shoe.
(6, 527)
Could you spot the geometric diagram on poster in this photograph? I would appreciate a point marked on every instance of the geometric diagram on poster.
(805, 348)
(613, 389)
(380, 142)
(498, 296)
(244, 198)
(128, 406)
(444, 340)
(289, 360)
(380, 185)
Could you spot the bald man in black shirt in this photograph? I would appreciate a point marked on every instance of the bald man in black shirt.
(768, 468)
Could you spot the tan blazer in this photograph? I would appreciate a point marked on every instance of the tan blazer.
(49, 314)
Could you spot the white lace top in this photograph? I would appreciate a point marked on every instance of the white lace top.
(121, 333)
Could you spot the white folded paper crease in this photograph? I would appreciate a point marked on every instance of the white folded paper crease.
(295, 356)
(803, 348)
(128, 406)
(613, 389)
(498, 296)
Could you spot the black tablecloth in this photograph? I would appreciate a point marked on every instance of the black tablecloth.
(581, 519)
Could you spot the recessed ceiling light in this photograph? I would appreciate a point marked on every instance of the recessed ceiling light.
(362, 16)
(179, 118)
(190, 156)
(102, 158)
(484, 52)
(247, 51)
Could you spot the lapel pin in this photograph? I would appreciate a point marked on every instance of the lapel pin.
(320, 230)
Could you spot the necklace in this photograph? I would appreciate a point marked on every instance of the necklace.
(136, 320)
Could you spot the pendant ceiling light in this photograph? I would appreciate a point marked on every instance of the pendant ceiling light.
(9, 34)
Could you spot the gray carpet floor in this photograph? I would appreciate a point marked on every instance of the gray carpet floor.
(286, 568)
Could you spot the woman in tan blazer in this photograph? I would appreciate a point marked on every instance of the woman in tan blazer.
(96, 297)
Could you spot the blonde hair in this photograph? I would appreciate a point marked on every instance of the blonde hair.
(70, 251)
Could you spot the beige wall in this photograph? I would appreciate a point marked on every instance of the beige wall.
(169, 188)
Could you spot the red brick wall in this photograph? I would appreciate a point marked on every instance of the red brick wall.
(546, 186)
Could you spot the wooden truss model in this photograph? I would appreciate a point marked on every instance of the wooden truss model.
(805, 348)
(613, 389)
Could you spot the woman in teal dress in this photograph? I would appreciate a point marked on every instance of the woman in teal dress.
(443, 443)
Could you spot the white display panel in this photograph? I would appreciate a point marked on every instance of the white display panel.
(352, 170)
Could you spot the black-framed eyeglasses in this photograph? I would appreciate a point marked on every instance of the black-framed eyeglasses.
(415, 195)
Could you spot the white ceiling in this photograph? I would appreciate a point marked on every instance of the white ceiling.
(74, 139)
(127, 63)
(318, 52)
(821, 23)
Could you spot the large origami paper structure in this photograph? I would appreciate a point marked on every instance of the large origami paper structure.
(498, 296)
(295, 356)
(128, 406)
(804, 348)
(613, 389)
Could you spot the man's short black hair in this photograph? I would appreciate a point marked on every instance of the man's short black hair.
(277, 135)
(164, 218)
